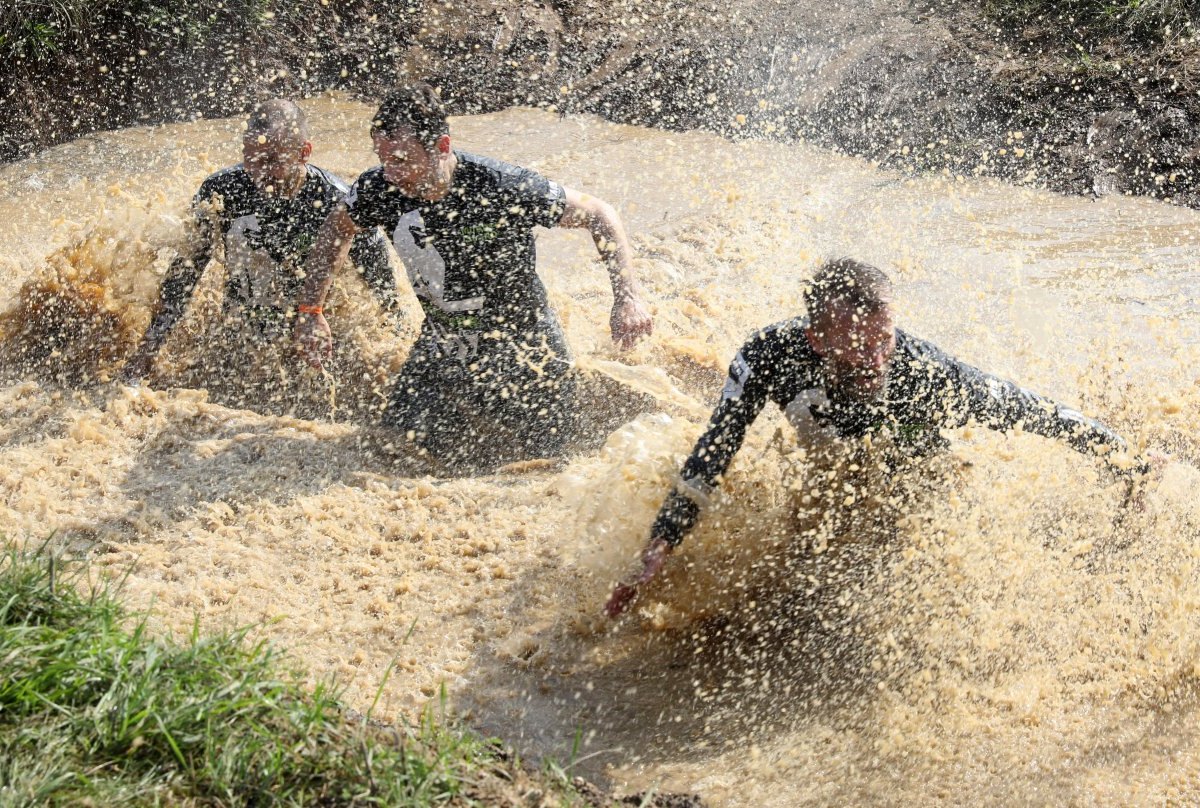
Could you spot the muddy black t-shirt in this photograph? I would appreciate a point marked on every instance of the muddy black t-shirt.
(926, 391)
(470, 256)
(267, 238)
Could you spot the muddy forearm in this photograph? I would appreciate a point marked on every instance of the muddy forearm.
(612, 243)
(676, 518)
(709, 460)
(174, 295)
(329, 252)
(609, 236)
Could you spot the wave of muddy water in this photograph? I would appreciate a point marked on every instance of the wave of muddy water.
(1015, 637)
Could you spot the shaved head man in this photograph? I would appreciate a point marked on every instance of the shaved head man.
(266, 210)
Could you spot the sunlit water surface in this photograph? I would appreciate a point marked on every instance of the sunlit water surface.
(1012, 637)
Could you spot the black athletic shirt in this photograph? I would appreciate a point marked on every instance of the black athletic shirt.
(470, 256)
(283, 228)
(926, 390)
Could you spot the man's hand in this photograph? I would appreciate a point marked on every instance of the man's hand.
(653, 558)
(1155, 463)
(314, 341)
(630, 322)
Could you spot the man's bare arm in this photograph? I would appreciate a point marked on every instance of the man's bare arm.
(630, 318)
(313, 338)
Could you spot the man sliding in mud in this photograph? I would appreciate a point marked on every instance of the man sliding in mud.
(847, 373)
(268, 210)
(491, 358)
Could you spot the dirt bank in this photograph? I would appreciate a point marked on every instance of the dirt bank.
(1034, 98)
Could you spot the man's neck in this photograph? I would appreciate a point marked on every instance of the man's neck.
(289, 187)
(296, 180)
(437, 190)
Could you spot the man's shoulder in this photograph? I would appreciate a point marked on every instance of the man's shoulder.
(778, 351)
(922, 350)
(484, 165)
(327, 179)
(785, 336)
(369, 184)
(374, 197)
(923, 363)
(488, 172)
(230, 181)
(371, 178)
(781, 347)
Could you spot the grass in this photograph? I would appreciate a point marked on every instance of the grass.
(37, 30)
(68, 67)
(1145, 21)
(93, 711)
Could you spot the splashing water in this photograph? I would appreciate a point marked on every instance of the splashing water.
(998, 627)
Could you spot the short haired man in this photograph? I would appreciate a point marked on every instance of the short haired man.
(490, 353)
(267, 209)
(845, 372)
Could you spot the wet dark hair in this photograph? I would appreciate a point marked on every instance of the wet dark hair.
(276, 117)
(416, 108)
(844, 281)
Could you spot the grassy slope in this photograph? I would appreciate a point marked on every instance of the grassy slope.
(94, 712)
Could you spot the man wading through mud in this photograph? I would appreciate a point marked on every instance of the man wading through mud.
(267, 210)
(847, 373)
(490, 373)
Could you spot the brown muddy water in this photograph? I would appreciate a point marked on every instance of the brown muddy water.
(1003, 633)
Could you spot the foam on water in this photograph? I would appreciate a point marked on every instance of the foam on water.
(998, 627)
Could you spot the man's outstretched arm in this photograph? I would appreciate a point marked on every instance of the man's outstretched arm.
(173, 296)
(630, 319)
(1000, 404)
(313, 338)
(741, 402)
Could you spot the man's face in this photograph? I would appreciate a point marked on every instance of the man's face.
(407, 163)
(857, 347)
(272, 159)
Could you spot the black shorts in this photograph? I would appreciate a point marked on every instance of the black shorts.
(483, 399)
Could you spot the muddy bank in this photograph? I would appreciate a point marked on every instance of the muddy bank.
(1034, 98)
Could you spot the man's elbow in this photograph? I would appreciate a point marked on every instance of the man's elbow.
(605, 217)
(591, 212)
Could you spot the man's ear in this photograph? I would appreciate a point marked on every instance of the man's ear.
(816, 340)
(306, 151)
(443, 145)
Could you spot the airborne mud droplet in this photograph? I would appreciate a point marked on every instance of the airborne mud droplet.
(996, 624)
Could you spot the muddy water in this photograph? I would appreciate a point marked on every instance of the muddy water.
(1004, 632)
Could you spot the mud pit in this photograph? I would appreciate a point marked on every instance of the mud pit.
(1016, 636)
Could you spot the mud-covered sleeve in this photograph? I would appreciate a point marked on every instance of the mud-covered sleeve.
(531, 198)
(185, 270)
(369, 254)
(970, 393)
(746, 391)
(373, 202)
(177, 286)
(208, 216)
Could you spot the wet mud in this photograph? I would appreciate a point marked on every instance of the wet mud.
(1003, 625)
